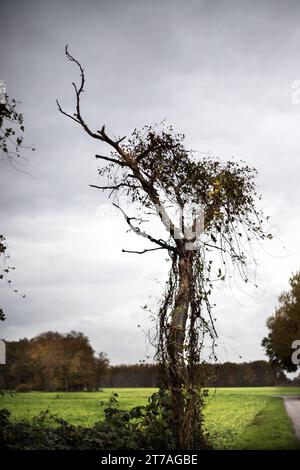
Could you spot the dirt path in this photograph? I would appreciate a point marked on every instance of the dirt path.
(292, 406)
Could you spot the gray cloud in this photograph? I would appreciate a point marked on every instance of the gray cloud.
(219, 71)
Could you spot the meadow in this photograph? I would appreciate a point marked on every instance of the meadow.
(236, 418)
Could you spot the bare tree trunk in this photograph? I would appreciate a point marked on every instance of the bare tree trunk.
(180, 314)
(176, 341)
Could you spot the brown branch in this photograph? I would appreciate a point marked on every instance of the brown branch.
(110, 159)
(115, 187)
(101, 134)
(65, 113)
(143, 234)
(120, 140)
(126, 159)
(144, 251)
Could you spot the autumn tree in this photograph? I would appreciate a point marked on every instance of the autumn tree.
(284, 327)
(64, 362)
(205, 206)
(53, 361)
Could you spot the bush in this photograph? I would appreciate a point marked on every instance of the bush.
(141, 428)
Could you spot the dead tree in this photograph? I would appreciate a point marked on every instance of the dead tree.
(216, 212)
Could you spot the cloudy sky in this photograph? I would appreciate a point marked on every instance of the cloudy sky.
(221, 72)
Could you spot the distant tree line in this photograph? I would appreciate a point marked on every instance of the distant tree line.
(67, 362)
(228, 374)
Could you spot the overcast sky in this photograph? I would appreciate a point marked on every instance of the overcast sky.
(221, 72)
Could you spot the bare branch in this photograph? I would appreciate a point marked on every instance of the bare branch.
(72, 59)
(144, 251)
(115, 187)
(77, 117)
(121, 140)
(143, 234)
(65, 113)
(110, 159)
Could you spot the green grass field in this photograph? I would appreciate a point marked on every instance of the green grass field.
(236, 418)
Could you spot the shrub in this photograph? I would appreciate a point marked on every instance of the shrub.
(141, 428)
